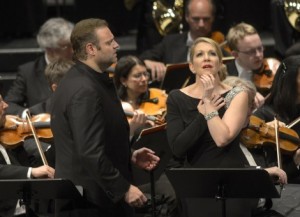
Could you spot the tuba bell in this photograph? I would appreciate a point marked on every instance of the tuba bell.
(167, 19)
(292, 11)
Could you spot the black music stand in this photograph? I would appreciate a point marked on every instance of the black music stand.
(177, 76)
(29, 189)
(222, 183)
(154, 138)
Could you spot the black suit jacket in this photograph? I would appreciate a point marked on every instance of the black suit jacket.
(231, 68)
(92, 131)
(13, 171)
(172, 49)
(29, 88)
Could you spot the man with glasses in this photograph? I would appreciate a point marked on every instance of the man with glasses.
(248, 51)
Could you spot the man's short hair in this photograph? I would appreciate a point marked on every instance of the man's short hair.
(239, 32)
(83, 33)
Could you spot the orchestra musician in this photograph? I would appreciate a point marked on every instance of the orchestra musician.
(174, 48)
(30, 86)
(11, 168)
(131, 79)
(54, 72)
(264, 205)
(247, 48)
(284, 103)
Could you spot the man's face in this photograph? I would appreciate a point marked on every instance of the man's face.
(63, 51)
(3, 107)
(250, 52)
(200, 18)
(107, 52)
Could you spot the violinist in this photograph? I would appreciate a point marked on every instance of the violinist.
(131, 79)
(247, 48)
(284, 103)
(10, 168)
(54, 72)
(264, 205)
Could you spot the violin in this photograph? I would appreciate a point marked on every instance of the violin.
(156, 104)
(16, 130)
(154, 107)
(263, 78)
(258, 133)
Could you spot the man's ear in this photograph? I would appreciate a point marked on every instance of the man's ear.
(234, 53)
(90, 49)
(53, 87)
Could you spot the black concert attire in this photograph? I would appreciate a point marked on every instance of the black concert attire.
(89, 123)
(30, 87)
(190, 139)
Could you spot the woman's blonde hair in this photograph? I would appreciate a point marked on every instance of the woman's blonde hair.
(209, 41)
(223, 70)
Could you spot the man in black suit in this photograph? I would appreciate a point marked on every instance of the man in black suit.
(31, 86)
(92, 131)
(10, 168)
(174, 48)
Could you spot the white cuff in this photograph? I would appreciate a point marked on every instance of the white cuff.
(29, 173)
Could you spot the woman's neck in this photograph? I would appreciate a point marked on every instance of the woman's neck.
(196, 90)
(132, 99)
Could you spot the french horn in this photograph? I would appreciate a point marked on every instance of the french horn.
(167, 19)
(292, 11)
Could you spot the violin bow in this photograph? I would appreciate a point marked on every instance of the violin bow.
(279, 162)
(277, 143)
(293, 123)
(37, 141)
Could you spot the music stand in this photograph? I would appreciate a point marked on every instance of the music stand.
(177, 76)
(222, 183)
(154, 138)
(29, 189)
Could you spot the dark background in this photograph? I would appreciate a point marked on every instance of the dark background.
(21, 19)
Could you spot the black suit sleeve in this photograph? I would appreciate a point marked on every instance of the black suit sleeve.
(156, 53)
(87, 124)
(16, 95)
(13, 172)
(181, 138)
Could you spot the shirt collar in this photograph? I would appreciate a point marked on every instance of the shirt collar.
(47, 59)
(189, 40)
(243, 73)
